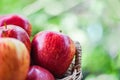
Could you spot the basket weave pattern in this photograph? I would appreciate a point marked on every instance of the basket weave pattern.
(74, 71)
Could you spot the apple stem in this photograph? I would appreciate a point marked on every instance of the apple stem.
(4, 32)
(5, 25)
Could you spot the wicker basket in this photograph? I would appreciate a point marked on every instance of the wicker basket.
(74, 72)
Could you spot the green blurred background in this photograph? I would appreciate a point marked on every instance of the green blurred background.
(94, 23)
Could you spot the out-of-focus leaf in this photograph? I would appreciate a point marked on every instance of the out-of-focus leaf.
(118, 60)
(98, 61)
(103, 77)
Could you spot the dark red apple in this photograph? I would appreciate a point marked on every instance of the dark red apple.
(53, 51)
(15, 19)
(39, 73)
(14, 59)
(17, 32)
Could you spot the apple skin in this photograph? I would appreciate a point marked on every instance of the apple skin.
(39, 73)
(53, 51)
(16, 19)
(16, 32)
(14, 59)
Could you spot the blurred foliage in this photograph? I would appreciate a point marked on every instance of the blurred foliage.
(103, 77)
(118, 60)
(98, 61)
(94, 23)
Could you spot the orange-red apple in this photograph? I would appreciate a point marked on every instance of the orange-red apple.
(14, 59)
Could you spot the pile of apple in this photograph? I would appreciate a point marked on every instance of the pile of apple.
(46, 57)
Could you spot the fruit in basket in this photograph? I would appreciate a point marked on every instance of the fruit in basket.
(17, 32)
(38, 73)
(53, 51)
(15, 19)
(14, 59)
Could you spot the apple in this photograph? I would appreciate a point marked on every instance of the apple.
(53, 51)
(14, 59)
(16, 32)
(18, 20)
(38, 73)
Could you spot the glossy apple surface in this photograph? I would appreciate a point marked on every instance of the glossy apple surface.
(14, 59)
(15, 19)
(39, 73)
(17, 32)
(53, 51)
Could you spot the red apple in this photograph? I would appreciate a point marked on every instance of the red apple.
(14, 59)
(18, 20)
(17, 32)
(53, 51)
(39, 73)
